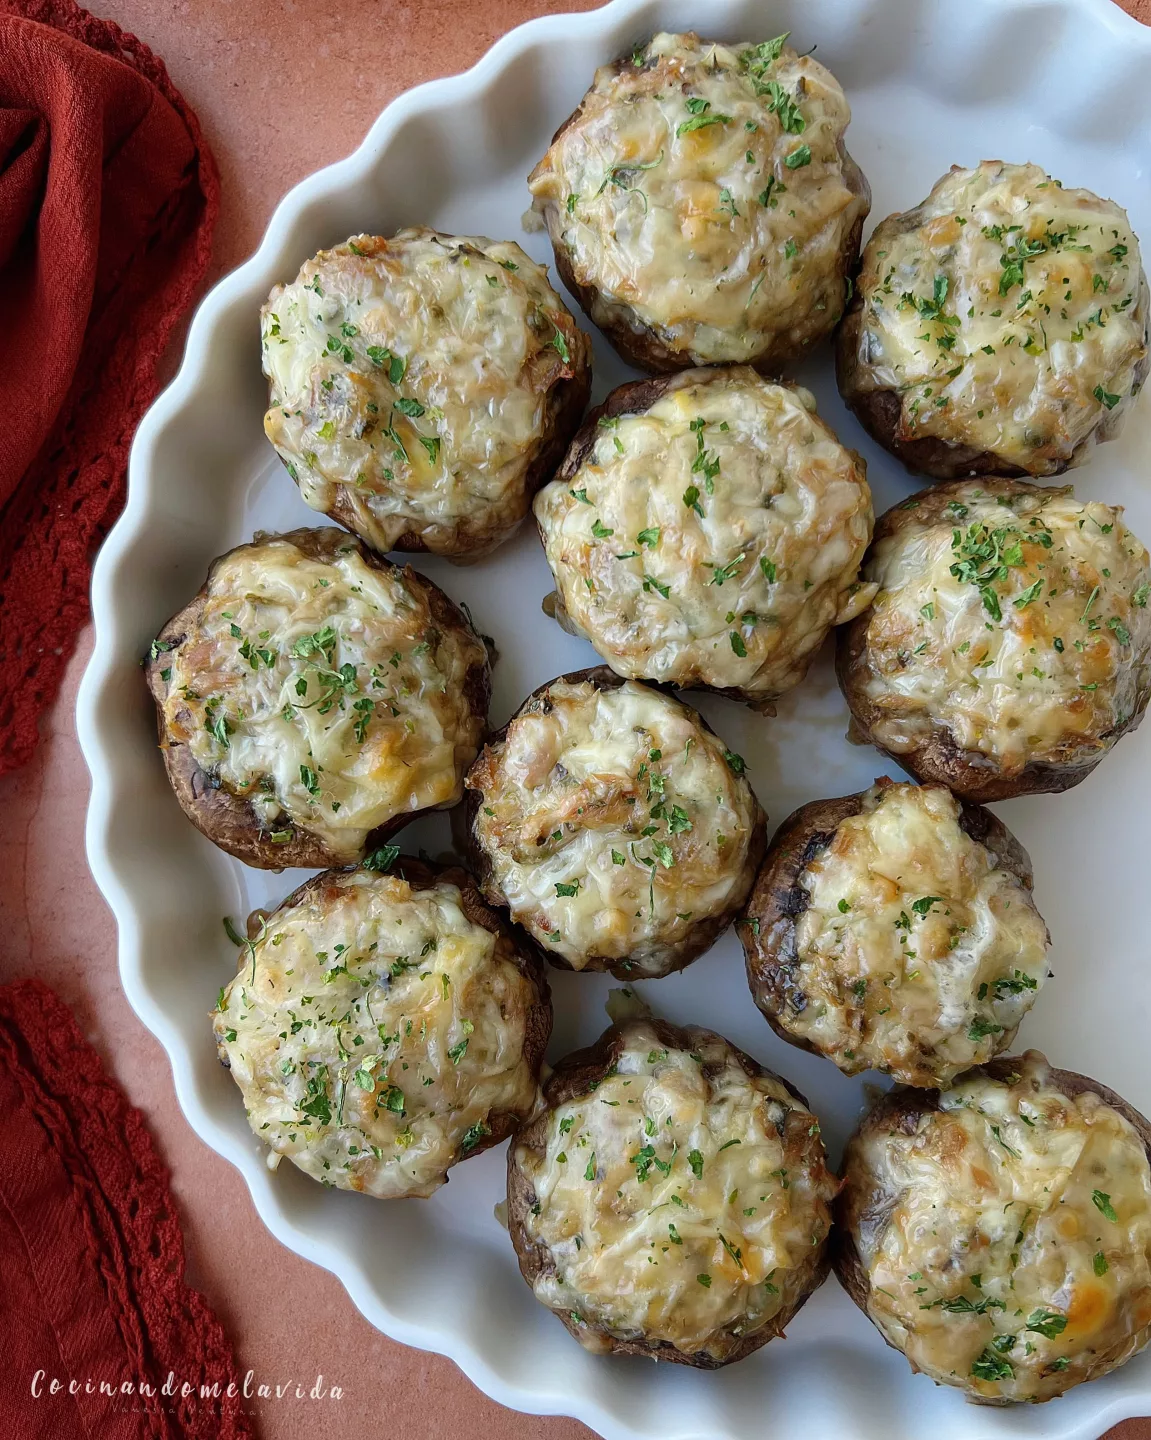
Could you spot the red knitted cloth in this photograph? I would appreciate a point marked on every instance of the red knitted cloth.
(91, 1253)
(108, 197)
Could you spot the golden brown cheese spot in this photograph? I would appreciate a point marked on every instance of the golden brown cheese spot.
(703, 193)
(613, 823)
(1008, 313)
(410, 378)
(678, 1199)
(714, 538)
(917, 955)
(324, 693)
(1022, 629)
(374, 1030)
(1017, 1255)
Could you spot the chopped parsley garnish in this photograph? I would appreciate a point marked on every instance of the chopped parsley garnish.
(382, 859)
(798, 158)
(1047, 1323)
(1102, 1202)
(990, 1366)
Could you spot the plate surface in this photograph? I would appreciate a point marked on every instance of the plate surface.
(1062, 82)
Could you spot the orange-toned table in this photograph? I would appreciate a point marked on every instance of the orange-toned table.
(281, 88)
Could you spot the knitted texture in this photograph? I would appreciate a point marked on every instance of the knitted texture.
(108, 198)
(91, 1251)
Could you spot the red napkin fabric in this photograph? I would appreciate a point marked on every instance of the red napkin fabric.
(108, 198)
(91, 1253)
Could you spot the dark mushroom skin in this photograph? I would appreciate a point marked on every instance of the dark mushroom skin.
(705, 531)
(243, 819)
(423, 387)
(744, 1303)
(998, 328)
(681, 251)
(1007, 1310)
(315, 1035)
(580, 884)
(1008, 646)
(870, 962)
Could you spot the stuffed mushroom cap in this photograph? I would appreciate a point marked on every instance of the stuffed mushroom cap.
(313, 698)
(706, 530)
(422, 387)
(701, 203)
(383, 1027)
(1000, 327)
(895, 930)
(673, 1199)
(1009, 644)
(616, 827)
(999, 1233)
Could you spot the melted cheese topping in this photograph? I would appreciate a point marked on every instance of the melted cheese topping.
(1009, 315)
(916, 954)
(614, 824)
(412, 377)
(1024, 630)
(714, 538)
(1010, 1251)
(374, 1030)
(324, 693)
(676, 1197)
(703, 194)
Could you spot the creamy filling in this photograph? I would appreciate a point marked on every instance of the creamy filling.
(917, 955)
(411, 378)
(374, 1030)
(675, 1204)
(1016, 1256)
(701, 161)
(1008, 313)
(324, 693)
(1023, 629)
(614, 824)
(714, 538)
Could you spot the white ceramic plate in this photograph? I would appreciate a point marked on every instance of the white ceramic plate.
(1066, 83)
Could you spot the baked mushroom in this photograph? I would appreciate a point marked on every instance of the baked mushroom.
(673, 1198)
(894, 930)
(1009, 645)
(999, 1233)
(702, 205)
(615, 826)
(1000, 327)
(313, 699)
(383, 1027)
(706, 530)
(422, 387)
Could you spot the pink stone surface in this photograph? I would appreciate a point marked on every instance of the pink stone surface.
(282, 88)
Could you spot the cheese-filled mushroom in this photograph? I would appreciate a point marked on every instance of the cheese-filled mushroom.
(382, 1027)
(999, 1233)
(895, 930)
(313, 698)
(1009, 644)
(1000, 327)
(422, 387)
(673, 1199)
(615, 826)
(706, 530)
(702, 205)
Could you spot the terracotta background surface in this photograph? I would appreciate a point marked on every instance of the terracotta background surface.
(282, 88)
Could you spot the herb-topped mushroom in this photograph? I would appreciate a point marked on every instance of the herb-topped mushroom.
(672, 1200)
(1001, 327)
(382, 1027)
(1009, 645)
(706, 530)
(999, 1233)
(617, 828)
(312, 699)
(422, 387)
(701, 204)
(895, 930)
